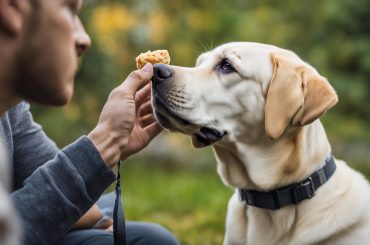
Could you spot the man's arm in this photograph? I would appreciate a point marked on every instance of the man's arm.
(89, 219)
(31, 146)
(63, 187)
(55, 195)
(59, 192)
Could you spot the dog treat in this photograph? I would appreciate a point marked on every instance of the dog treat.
(154, 57)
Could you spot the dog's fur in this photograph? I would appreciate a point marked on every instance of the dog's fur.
(267, 101)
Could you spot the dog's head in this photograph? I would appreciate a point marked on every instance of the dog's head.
(241, 90)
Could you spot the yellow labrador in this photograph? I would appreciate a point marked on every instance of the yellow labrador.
(258, 106)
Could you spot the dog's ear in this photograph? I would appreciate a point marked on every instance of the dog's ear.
(297, 95)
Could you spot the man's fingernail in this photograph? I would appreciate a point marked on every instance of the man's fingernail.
(148, 67)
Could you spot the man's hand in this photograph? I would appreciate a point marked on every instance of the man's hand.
(89, 219)
(126, 123)
(145, 127)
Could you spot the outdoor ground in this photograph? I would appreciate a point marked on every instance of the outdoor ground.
(190, 203)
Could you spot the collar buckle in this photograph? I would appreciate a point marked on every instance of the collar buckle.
(245, 195)
(306, 189)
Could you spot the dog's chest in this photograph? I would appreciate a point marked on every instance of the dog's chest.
(270, 227)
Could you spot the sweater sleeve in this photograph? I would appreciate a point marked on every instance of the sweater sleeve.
(31, 146)
(58, 192)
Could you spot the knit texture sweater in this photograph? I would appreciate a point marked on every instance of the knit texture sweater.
(52, 188)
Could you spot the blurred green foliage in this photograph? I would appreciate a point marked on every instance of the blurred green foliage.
(332, 35)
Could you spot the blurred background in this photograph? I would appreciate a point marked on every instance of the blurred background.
(170, 182)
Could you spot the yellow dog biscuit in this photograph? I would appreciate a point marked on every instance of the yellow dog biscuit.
(154, 57)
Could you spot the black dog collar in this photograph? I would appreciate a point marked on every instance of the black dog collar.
(291, 194)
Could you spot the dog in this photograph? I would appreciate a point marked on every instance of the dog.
(259, 107)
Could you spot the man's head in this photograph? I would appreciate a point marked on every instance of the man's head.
(44, 39)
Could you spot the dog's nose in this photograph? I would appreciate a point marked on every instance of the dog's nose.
(161, 73)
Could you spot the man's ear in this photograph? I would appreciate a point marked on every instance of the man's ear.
(12, 15)
(297, 96)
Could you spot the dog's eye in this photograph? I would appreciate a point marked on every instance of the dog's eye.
(225, 66)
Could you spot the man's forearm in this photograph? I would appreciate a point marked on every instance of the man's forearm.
(89, 219)
(56, 195)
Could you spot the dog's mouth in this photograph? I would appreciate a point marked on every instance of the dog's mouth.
(169, 119)
(164, 115)
(208, 136)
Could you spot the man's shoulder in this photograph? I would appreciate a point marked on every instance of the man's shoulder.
(17, 120)
(15, 112)
(19, 108)
(18, 114)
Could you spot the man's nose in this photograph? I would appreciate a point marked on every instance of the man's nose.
(83, 41)
(161, 73)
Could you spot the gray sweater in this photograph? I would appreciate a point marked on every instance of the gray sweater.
(51, 188)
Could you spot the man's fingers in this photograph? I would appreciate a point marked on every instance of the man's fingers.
(143, 94)
(153, 129)
(146, 116)
(145, 108)
(138, 78)
(147, 120)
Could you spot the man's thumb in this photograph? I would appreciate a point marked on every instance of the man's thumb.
(138, 78)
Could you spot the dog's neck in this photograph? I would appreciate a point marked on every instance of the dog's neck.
(271, 164)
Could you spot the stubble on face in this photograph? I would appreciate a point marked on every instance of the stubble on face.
(48, 59)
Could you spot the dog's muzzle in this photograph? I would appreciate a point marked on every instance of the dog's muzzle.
(208, 136)
(161, 79)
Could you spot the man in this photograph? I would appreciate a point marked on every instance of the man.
(9, 228)
(40, 42)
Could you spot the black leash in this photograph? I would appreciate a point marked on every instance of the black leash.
(119, 226)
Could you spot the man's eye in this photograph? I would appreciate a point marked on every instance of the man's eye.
(225, 66)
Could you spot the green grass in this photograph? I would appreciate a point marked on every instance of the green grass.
(177, 186)
(190, 203)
